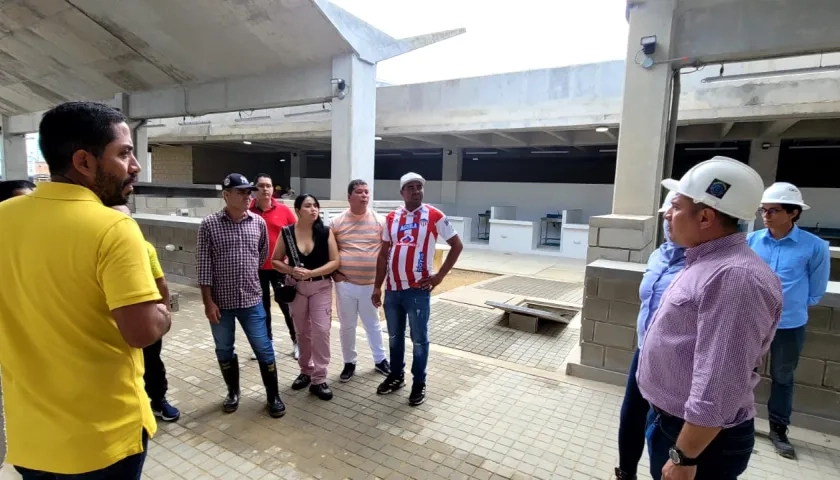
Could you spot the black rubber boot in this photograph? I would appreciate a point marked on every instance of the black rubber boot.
(619, 475)
(276, 408)
(230, 372)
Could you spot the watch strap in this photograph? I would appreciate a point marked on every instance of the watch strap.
(684, 460)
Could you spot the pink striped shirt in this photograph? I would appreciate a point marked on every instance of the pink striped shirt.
(358, 238)
(412, 236)
(714, 324)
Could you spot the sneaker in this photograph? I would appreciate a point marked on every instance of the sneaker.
(778, 435)
(383, 367)
(164, 411)
(391, 384)
(322, 391)
(296, 352)
(418, 394)
(253, 356)
(348, 372)
(302, 381)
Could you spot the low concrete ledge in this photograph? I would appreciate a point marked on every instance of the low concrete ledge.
(174, 221)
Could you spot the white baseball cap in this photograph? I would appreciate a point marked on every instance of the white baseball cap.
(411, 177)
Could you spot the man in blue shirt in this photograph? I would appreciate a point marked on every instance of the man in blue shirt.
(802, 262)
(663, 265)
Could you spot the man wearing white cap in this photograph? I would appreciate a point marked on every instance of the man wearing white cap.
(405, 258)
(802, 262)
(698, 363)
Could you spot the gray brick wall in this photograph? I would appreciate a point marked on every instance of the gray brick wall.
(623, 238)
(179, 265)
(172, 164)
(193, 206)
(608, 337)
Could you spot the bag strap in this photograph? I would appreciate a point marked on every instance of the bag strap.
(292, 246)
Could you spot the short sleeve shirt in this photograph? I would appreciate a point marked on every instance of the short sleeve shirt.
(412, 236)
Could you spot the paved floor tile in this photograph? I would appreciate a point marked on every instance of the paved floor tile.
(570, 292)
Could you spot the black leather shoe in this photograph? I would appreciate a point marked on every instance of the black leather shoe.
(302, 381)
(230, 373)
(619, 475)
(322, 391)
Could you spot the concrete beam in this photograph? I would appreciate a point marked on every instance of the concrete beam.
(301, 86)
(778, 127)
(413, 43)
(714, 31)
(563, 138)
(516, 139)
(725, 128)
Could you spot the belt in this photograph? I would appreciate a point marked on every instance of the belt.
(663, 413)
(315, 279)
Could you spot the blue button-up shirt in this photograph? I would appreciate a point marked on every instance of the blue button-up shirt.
(802, 262)
(663, 265)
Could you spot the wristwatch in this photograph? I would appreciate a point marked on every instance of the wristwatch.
(678, 458)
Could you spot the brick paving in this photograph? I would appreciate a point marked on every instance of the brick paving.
(485, 332)
(481, 421)
(537, 288)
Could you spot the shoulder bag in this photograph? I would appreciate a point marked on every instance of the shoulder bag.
(286, 293)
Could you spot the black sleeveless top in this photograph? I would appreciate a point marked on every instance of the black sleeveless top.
(320, 254)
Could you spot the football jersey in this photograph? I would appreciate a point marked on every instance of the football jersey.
(412, 236)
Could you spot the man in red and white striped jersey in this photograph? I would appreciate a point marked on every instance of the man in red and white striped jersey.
(406, 258)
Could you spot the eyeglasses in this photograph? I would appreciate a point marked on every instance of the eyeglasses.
(769, 211)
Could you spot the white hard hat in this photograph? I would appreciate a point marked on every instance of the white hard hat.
(666, 205)
(724, 184)
(783, 192)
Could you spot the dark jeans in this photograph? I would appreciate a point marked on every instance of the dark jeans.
(155, 376)
(724, 459)
(271, 279)
(632, 422)
(252, 321)
(784, 357)
(412, 307)
(129, 468)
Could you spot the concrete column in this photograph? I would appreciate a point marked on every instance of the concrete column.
(765, 161)
(15, 164)
(140, 138)
(629, 233)
(297, 171)
(353, 124)
(451, 175)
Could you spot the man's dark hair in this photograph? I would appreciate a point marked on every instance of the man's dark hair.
(354, 184)
(791, 208)
(7, 188)
(262, 175)
(74, 126)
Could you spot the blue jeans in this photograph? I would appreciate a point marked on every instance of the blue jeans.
(784, 357)
(724, 459)
(413, 303)
(129, 468)
(252, 320)
(632, 422)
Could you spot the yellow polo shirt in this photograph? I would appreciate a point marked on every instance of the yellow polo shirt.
(73, 388)
(157, 270)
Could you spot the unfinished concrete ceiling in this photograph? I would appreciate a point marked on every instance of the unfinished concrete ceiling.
(57, 50)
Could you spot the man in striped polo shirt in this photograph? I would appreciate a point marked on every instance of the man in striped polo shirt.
(358, 232)
(408, 250)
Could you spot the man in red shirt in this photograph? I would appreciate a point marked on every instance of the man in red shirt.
(276, 216)
(406, 258)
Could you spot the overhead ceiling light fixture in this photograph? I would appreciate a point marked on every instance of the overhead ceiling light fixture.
(377, 138)
(812, 147)
(546, 152)
(482, 153)
(602, 129)
(425, 154)
(252, 119)
(710, 149)
(775, 73)
(246, 142)
(608, 150)
(195, 122)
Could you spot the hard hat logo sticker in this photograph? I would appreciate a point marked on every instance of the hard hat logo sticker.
(718, 188)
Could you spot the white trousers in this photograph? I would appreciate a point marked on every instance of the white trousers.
(353, 301)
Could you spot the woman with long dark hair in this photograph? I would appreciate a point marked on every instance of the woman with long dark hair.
(313, 256)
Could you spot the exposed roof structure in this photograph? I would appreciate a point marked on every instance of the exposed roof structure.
(56, 50)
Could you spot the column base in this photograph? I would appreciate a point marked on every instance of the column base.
(624, 238)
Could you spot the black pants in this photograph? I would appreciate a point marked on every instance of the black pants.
(632, 422)
(271, 279)
(155, 376)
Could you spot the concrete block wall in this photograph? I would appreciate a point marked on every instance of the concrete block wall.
(608, 340)
(172, 164)
(179, 265)
(623, 238)
(194, 206)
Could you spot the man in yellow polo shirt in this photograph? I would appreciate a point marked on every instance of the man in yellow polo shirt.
(77, 304)
(155, 376)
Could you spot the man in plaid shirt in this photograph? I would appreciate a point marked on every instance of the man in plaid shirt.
(232, 244)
